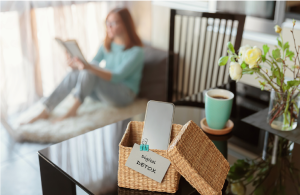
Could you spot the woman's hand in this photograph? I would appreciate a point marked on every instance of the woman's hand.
(71, 61)
(81, 65)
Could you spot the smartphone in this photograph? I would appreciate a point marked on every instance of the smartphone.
(158, 124)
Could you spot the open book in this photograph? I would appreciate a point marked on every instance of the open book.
(72, 48)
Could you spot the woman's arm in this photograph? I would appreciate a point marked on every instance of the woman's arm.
(99, 56)
(100, 72)
(127, 66)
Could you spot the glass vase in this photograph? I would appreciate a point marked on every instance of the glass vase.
(283, 110)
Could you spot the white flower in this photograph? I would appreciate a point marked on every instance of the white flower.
(242, 52)
(277, 29)
(235, 71)
(253, 57)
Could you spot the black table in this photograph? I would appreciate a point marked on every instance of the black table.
(90, 161)
(259, 120)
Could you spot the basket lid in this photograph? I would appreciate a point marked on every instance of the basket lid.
(197, 159)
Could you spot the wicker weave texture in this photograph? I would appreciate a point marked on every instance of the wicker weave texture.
(198, 160)
(128, 178)
(126, 191)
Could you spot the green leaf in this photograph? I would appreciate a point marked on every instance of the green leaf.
(262, 85)
(263, 58)
(289, 54)
(293, 83)
(247, 71)
(276, 72)
(232, 59)
(223, 61)
(279, 60)
(276, 53)
(230, 47)
(279, 42)
(249, 178)
(238, 170)
(250, 70)
(259, 190)
(266, 49)
(244, 65)
(242, 163)
(286, 46)
(278, 81)
(278, 75)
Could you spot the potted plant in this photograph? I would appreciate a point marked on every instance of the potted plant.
(270, 69)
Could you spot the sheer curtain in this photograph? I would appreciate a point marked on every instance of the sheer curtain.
(32, 63)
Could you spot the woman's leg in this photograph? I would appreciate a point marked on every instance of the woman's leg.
(87, 84)
(84, 87)
(61, 91)
(115, 94)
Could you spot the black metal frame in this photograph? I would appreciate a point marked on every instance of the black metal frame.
(174, 95)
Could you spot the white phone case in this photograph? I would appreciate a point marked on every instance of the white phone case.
(158, 124)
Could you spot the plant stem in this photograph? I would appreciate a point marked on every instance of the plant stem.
(297, 51)
(266, 79)
(277, 113)
(269, 77)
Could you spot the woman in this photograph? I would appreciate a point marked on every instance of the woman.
(118, 83)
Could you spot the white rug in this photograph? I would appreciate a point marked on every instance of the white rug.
(91, 115)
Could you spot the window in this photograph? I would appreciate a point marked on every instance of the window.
(292, 10)
(12, 62)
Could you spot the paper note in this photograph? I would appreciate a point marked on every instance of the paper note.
(148, 163)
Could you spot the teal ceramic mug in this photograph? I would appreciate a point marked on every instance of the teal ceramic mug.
(218, 104)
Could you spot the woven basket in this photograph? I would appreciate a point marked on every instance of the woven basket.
(126, 191)
(128, 178)
(198, 160)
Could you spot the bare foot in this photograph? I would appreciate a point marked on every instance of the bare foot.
(68, 115)
(43, 115)
(71, 112)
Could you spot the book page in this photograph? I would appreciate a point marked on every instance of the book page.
(75, 51)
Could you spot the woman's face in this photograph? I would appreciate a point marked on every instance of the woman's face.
(114, 26)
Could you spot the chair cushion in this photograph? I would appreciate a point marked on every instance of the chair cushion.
(155, 75)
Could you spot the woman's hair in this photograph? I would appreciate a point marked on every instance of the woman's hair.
(126, 18)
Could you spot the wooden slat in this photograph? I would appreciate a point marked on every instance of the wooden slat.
(184, 59)
(214, 56)
(191, 57)
(209, 54)
(221, 51)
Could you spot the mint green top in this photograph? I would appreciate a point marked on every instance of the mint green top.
(126, 66)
